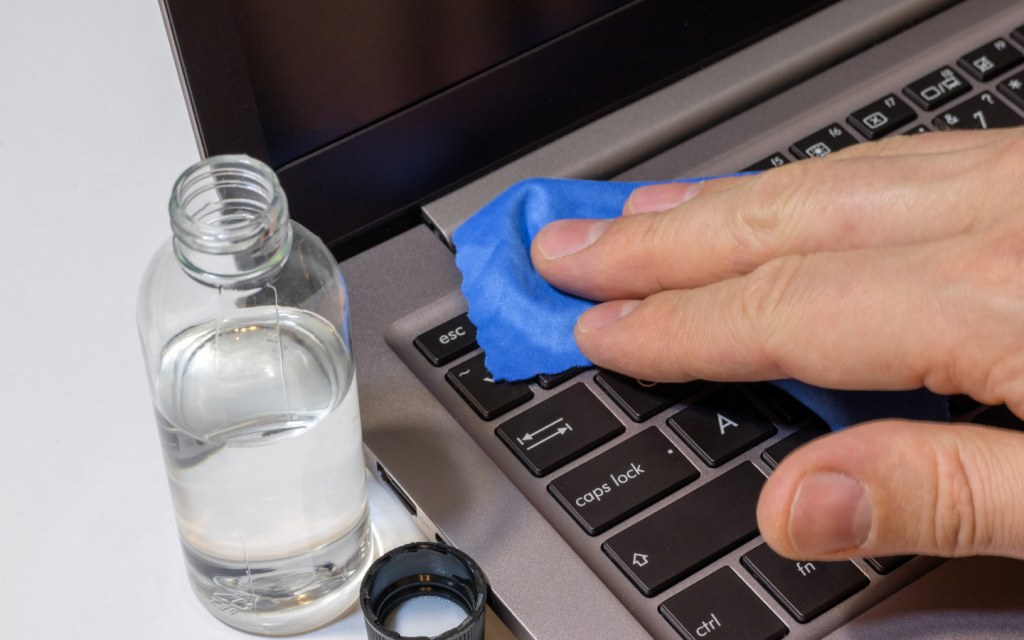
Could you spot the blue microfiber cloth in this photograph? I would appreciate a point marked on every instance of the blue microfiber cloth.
(525, 325)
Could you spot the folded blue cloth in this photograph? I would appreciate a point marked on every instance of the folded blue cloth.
(525, 326)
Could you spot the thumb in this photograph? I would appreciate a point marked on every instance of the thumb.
(888, 488)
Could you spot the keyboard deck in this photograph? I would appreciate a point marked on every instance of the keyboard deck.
(655, 485)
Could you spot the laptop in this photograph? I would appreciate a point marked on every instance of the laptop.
(391, 122)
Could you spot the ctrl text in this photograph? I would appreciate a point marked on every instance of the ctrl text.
(708, 626)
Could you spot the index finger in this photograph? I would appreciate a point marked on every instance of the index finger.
(881, 319)
(800, 208)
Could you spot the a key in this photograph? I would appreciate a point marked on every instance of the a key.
(991, 60)
(887, 564)
(824, 142)
(488, 398)
(772, 161)
(559, 430)
(689, 533)
(806, 589)
(998, 416)
(721, 607)
(774, 454)
(641, 399)
(721, 426)
(937, 88)
(882, 117)
(1013, 88)
(983, 111)
(448, 341)
(550, 381)
(783, 406)
(632, 475)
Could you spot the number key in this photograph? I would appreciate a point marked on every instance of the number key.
(983, 111)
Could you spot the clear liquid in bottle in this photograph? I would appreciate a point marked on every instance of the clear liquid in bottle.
(259, 422)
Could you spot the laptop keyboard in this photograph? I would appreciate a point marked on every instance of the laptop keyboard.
(704, 426)
(890, 113)
(664, 479)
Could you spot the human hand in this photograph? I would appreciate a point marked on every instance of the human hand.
(889, 265)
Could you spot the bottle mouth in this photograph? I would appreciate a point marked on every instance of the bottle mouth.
(227, 204)
(230, 221)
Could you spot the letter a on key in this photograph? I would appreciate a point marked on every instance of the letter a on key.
(724, 422)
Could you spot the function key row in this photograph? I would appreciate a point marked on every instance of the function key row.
(889, 114)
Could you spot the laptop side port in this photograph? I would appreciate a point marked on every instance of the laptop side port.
(385, 477)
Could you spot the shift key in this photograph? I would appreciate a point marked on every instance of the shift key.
(606, 490)
(689, 533)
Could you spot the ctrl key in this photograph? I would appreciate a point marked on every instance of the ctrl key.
(721, 607)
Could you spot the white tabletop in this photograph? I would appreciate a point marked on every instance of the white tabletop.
(93, 131)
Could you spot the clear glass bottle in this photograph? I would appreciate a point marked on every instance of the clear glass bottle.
(243, 317)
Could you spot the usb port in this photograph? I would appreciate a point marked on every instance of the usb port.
(385, 477)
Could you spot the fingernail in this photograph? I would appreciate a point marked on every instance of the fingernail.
(661, 197)
(831, 512)
(603, 315)
(565, 237)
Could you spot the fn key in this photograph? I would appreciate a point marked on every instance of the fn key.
(806, 589)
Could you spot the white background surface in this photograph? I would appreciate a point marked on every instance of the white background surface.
(93, 131)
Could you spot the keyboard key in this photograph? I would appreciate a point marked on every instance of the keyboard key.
(916, 130)
(772, 161)
(559, 430)
(882, 117)
(722, 425)
(822, 143)
(937, 88)
(632, 475)
(774, 454)
(689, 533)
(1013, 88)
(806, 589)
(998, 416)
(550, 381)
(991, 60)
(983, 111)
(887, 564)
(783, 406)
(444, 343)
(488, 398)
(640, 399)
(721, 607)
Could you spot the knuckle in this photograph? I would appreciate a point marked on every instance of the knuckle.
(958, 525)
(758, 223)
(766, 299)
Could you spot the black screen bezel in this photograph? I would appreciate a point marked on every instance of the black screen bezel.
(339, 193)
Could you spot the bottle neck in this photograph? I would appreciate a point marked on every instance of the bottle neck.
(230, 221)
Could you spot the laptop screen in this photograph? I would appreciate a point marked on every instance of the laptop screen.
(369, 108)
